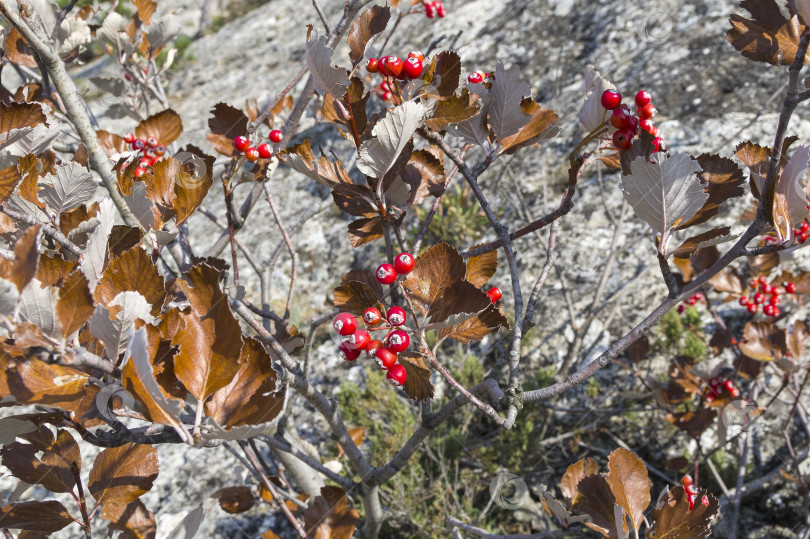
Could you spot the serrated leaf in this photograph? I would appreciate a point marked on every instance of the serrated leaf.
(675, 520)
(226, 124)
(474, 130)
(75, 304)
(95, 254)
(166, 126)
(23, 268)
(724, 181)
(665, 192)
(47, 517)
(480, 269)
(390, 136)
(19, 116)
(592, 113)
(768, 36)
(460, 298)
(454, 109)
(123, 474)
(37, 382)
(328, 79)
(132, 271)
(477, 327)
(17, 49)
(630, 484)
(51, 469)
(762, 341)
(37, 305)
(790, 197)
(115, 333)
(370, 23)
(365, 230)
(355, 297)
(355, 100)
(146, 8)
(424, 173)
(599, 503)
(442, 74)
(540, 126)
(434, 271)
(135, 521)
(573, 475)
(161, 32)
(235, 500)
(417, 385)
(71, 186)
(708, 238)
(508, 91)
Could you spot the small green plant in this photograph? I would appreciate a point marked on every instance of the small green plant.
(458, 217)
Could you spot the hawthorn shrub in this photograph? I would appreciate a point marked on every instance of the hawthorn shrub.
(116, 332)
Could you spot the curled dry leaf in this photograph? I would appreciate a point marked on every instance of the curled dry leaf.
(226, 124)
(573, 475)
(724, 181)
(599, 503)
(480, 269)
(675, 520)
(132, 271)
(134, 520)
(355, 297)
(120, 475)
(235, 500)
(166, 126)
(417, 383)
(630, 484)
(328, 79)
(763, 341)
(329, 515)
(52, 468)
(369, 24)
(693, 423)
(767, 36)
(46, 517)
(442, 75)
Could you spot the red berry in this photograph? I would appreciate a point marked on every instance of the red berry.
(160, 150)
(384, 86)
(241, 143)
(373, 346)
(620, 118)
(144, 162)
(776, 311)
(430, 11)
(735, 392)
(692, 502)
(252, 155)
(767, 288)
(611, 99)
(404, 263)
(264, 151)
(371, 67)
(762, 279)
(753, 308)
(372, 316)
(690, 489)
(681, 309)
(386, 274)
(140, 171)
(412, 68)
(396, 316)
(759, 298)
(398, 341)
(643, 98)
(698, 296)
(654, 131)
(129, 138)
(138, 144)
(623, 139)
(152, 142)
(775, 300)
(494, 294)
(715, 381)
(417, 54)
(692, 300)
(154, 160)
(150, 152)
(647, 125)
(348, 352)
(804, 226)
(345, 324)
(275, 136)
(391, 66)
(396, 375)
(705, 500)
(360, 339)
(744, 301)
(729, 385)
(790, 288)
(753, 283)
(658, 144)
(648, 111)
(475, 78)
(385, 358)
(709, 398)
(686, 480)
(803, 237)
(440, 11)
(387, 96)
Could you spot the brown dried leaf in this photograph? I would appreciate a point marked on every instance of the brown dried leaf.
(112, 143)
(17, 49)
(23, 268)
(160, 184)
(424, 173)
(797, 338)
(353, 100)
(52, 270)
(235, 500)
(47, 517)
(728, 280)
(369, 24)
(768, 36)
(253, 396)
(630, 484)
(417, 382)
(573, 475)
(455, 109)
(357, 434)
(693, 423)
(693, 244)
(135, 521)
(29, 187)
(479, 326)
(75, 305)
(541, 120)
(725, 181)
(443, 74)
(122, 239)
(480, 269)
(459, 302)
(37, 382)
(19, 115)
(210, 338)
(639, 349)
(193, 180)
(762, 341)
(762, 264)
(9, 179)
(368, 277)
(227, 123)
(598, 502)
(435, 270)
(52, 469)
(123, 474)
(642, 146)
(166, 126)
(674, 520)
(355, 297)
(146, 8)
(133, 271)
(329, 516)
(365, 230)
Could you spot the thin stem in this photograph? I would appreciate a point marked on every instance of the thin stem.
(290, 248)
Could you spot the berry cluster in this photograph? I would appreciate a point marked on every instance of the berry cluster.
(478, 77)
(762, 288)
(716, 387)
(692, 492)
(433, 9)
(150, 151)
(627, 123)
(801, 232)
(403, 264)
(385, 351)
(394, 67)
(692, 301)
(262, 151)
